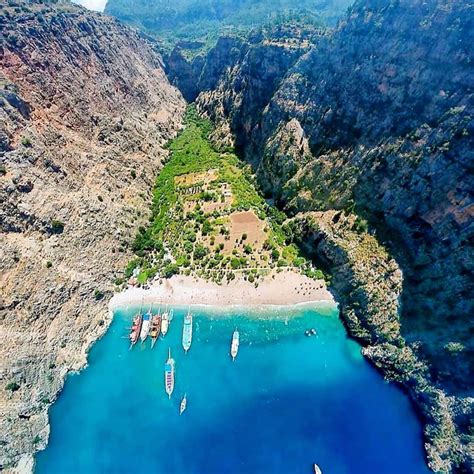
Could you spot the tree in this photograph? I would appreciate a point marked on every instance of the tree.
(200, 252)
(170, 270)
(206, 227)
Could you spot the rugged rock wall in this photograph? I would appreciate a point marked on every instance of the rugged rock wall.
(85, 109)
(376, 119)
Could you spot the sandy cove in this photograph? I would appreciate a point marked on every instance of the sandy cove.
(284, 288)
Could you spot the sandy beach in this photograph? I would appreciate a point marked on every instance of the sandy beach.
(285, 288)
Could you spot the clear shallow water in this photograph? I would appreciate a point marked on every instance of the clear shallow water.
(286, 402)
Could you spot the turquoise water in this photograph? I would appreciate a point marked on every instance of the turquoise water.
(286, 402)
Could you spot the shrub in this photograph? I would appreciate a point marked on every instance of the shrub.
(26, 142)
(13, 386)
(360, 225)
(206, 227)
(57, 227)
(131, 267)
(235, 263)
(49, 264)
(98, 295)
(170, 270)
(133, 174)
(200, 252)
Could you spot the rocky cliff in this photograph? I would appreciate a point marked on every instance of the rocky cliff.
(376, 120)
(85, 109)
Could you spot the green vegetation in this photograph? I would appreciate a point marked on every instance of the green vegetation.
(208, 219)
(57, 227)
(98, 295)
(13, 386)
(26, 142)
(197, 23)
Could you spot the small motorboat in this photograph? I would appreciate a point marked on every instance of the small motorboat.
(317, 469)
(182, 405)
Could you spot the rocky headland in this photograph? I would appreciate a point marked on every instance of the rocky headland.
(85, 109)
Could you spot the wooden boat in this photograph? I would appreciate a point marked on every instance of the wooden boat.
(234, 346)
(317, 469)
(169, 374)
(182, 405)
(135, 329)
(187, 331)
(165, 321)
(155, 328)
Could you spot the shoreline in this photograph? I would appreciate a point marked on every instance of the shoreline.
(277, 290)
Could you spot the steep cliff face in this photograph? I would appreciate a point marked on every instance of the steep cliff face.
(85, 109)
(376, 119)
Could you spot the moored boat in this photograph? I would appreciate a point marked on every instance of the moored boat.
(187, 331)
(155, 328)
(183, 405)
(145, 326)
(169, 374)
(135, 329)
(234, 346)
(165, 321)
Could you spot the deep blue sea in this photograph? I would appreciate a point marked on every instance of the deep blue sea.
(286, 402)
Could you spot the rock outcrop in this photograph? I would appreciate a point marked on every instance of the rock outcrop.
(85, 109)
(376, 119)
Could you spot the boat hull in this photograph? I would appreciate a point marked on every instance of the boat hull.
(187, 332)
(234, 346)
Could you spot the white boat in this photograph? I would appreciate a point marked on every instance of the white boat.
(169, 374)
(187, 331)
(145, 326)
(183, 404)
(317, 469)
(234, 347)
(165, 322)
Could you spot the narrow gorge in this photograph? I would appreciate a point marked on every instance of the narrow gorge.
(361, 134)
